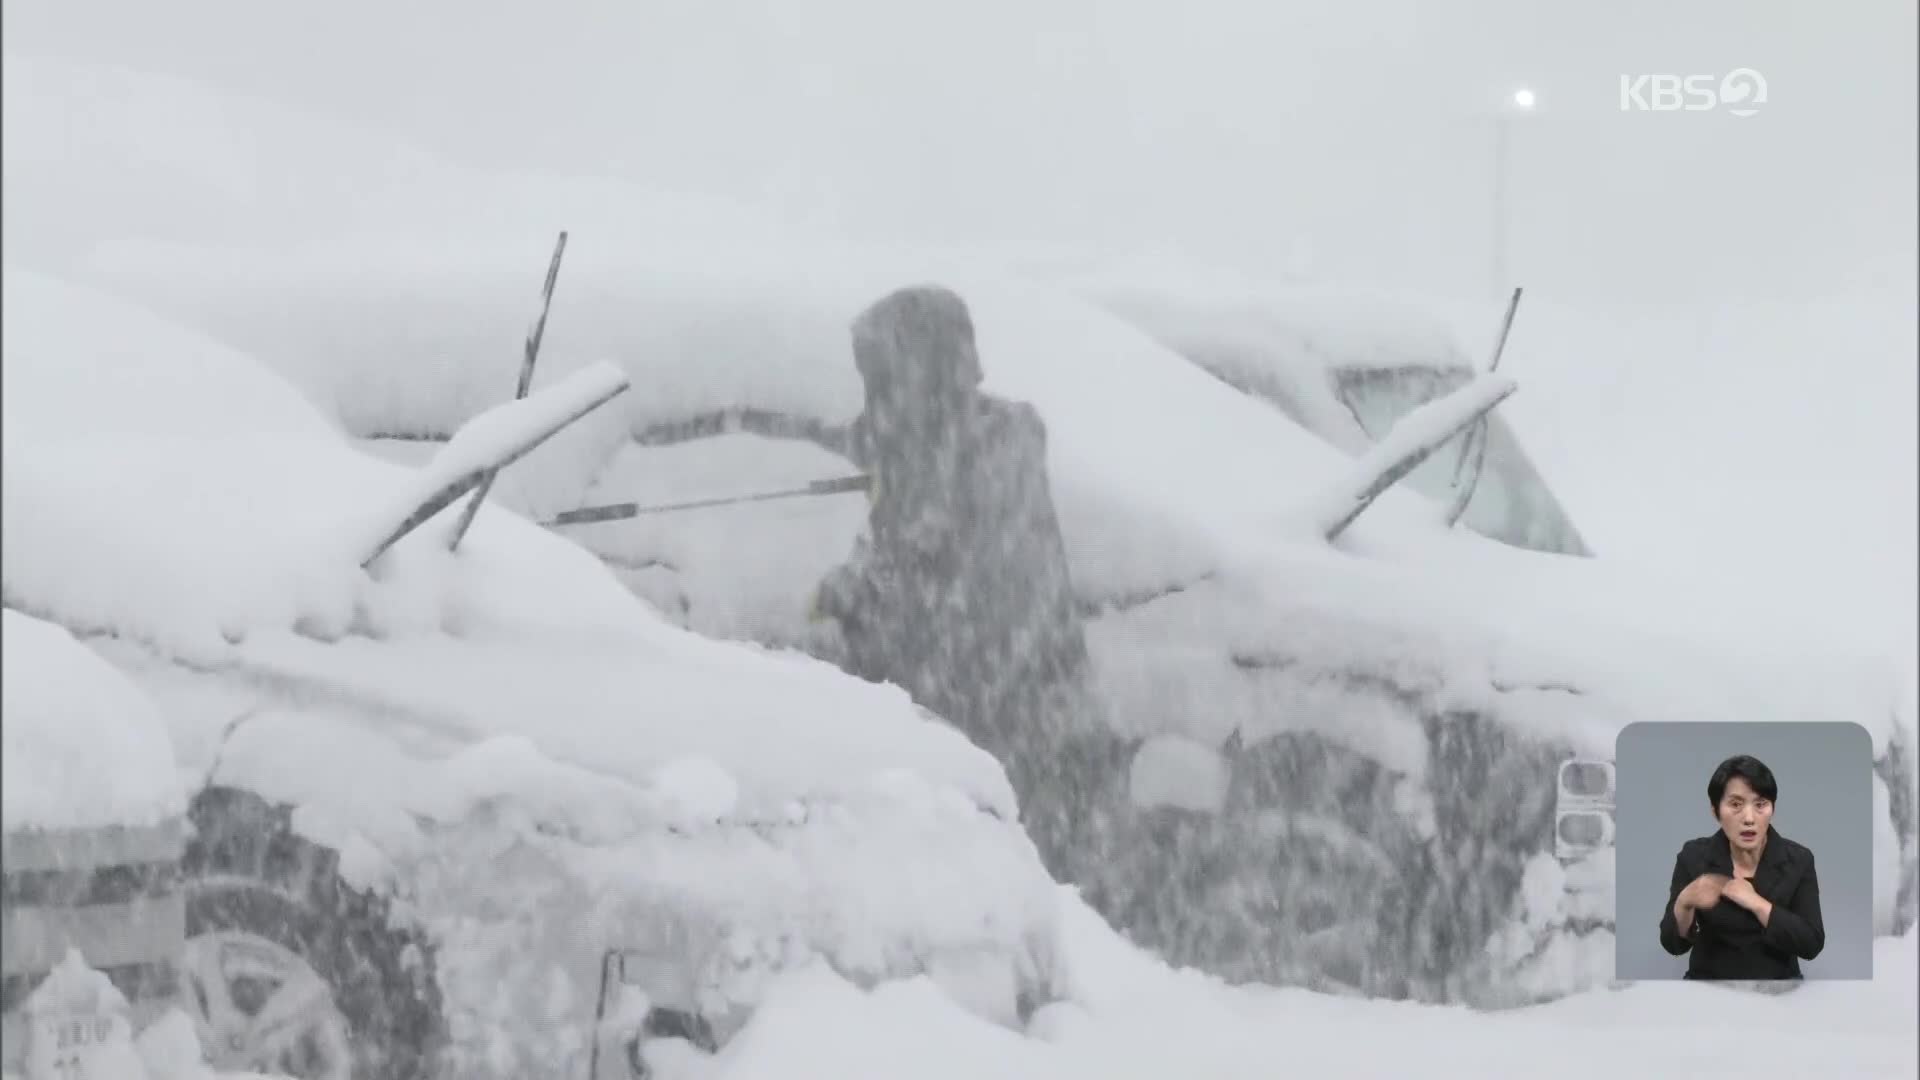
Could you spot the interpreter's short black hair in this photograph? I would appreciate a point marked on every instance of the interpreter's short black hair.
(1748, 768)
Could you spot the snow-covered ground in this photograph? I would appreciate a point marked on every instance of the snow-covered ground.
(1131, 1016)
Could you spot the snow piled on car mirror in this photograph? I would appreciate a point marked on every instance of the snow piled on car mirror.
(84, 747)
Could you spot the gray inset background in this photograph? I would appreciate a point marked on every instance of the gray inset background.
(1825, 772)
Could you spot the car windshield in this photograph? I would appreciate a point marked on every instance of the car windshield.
(1511, 503)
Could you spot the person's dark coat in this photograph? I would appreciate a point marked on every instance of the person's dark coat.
(1728, 941)
(961, 592)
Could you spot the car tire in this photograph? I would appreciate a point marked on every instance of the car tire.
(259, 894)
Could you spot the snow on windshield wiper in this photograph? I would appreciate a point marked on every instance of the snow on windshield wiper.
(489, 442)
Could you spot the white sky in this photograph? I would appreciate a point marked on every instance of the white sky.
(1722, 351)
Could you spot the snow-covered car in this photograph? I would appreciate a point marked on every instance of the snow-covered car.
(1394, 713)
(1347, 368)
(1377, 765)
(473, 812)
(94, 814)
(403, 341)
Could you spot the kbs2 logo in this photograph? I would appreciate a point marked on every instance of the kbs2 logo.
(1741, 92)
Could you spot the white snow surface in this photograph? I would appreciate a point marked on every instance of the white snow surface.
(1131, 1016)
(84, 747)
(1172, 771)
(498, 437)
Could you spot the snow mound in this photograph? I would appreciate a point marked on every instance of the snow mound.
(84, 747)
(162, 547)
(1132, 1016)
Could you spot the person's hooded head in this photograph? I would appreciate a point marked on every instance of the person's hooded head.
(915, 352)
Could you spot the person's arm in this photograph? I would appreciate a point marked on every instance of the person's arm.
(846, 591)
(1676, 922)
(1794, 926)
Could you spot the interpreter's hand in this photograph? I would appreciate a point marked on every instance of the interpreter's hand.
(1705, 891)
(1742, 892)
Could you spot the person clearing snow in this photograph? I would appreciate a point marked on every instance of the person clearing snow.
(960, 591)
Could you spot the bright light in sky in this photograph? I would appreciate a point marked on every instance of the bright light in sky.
(1523, 99)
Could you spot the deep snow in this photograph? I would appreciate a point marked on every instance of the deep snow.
(451, 720)
(1133, 1017)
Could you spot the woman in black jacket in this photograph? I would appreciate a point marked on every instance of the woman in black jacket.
(1744, 900)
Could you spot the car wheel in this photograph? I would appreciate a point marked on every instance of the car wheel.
(289, 970)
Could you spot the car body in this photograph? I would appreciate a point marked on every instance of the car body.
(95, 828)
(430, 800)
